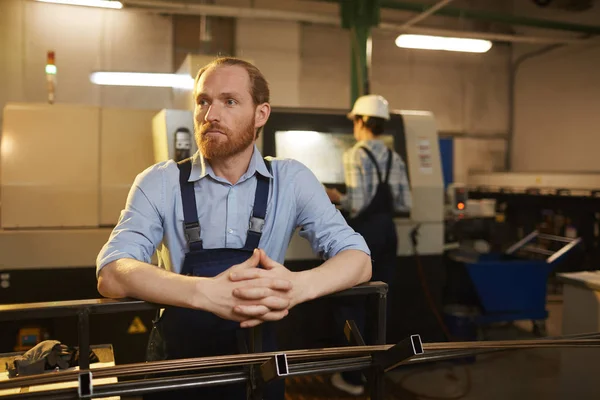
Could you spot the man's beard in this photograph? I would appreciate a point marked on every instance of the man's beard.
(222, 147)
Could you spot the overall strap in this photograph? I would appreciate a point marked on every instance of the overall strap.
(190, 213)
(372, 157)
(259, 210)
(389, 165)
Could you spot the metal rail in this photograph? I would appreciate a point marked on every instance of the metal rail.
(340, 355)
(53, 309)
(376, 293)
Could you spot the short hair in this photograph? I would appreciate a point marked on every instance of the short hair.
(259, 87)
(375, 124)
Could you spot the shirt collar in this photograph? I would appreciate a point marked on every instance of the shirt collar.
(201, 168)
(374, 144)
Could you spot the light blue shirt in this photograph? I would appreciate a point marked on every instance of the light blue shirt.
(153, 216)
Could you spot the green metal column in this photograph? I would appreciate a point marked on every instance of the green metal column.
(359, 16)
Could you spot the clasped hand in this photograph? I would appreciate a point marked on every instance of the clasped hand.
(253, 295)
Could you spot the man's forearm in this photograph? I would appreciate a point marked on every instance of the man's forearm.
(132, 278)
(345, 270)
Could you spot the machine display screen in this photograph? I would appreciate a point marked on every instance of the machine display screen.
(321, 152)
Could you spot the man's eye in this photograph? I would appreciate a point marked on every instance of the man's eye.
(202, 102)
(231, 102)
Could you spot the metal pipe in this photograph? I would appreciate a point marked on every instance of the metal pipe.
(192, 381)
(163, 7)
(169, 383)
(490, 16)
(431, 10)
(472, 135)
(293, 355)
(231, 12)
(313, 368)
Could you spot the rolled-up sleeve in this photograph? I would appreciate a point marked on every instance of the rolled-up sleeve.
(320, 222)
(140, 227)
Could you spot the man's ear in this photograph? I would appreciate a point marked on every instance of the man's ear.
(261, 115)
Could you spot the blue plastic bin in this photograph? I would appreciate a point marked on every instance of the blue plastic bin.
(512, 288)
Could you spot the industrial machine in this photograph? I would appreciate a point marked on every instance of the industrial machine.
(552, 203)
(173, 135)
(65, 174)
(456, 199)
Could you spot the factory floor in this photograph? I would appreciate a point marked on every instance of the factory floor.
(517, 375)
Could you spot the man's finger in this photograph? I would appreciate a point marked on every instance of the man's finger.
(272, 316)
(266, 262)
(251, 323)
(252, 293)
(251, 311)
(251, 262)
(262, 306)
(245, 274)
(280, 284)
(275, 303)
(259, 277)
(266, 304)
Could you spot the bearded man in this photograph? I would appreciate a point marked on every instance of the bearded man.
(221, 222)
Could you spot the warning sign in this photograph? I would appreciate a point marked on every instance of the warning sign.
(137, 326)
(424, 153)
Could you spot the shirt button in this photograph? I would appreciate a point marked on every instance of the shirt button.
(230, 230)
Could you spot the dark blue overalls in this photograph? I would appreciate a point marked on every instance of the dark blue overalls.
(186, 333)
(376, 224)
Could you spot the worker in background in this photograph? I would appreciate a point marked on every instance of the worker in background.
(376, 187)
(223, 220)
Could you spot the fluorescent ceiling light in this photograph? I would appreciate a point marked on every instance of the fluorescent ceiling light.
(142, 79)
(443, 43)
(88, 3)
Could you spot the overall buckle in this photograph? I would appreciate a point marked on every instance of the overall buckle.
(256, 224)
(192, 232)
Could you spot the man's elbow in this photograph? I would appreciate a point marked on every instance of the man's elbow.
(108, 284)
(367, 269)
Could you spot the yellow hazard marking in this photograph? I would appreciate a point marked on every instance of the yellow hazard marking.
(137, 326)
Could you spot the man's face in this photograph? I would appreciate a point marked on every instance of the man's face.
(224, 116)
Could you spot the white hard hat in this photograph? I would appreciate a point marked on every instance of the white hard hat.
(371, 105)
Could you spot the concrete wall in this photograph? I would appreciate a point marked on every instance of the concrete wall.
(556, 104)
(557, 120)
